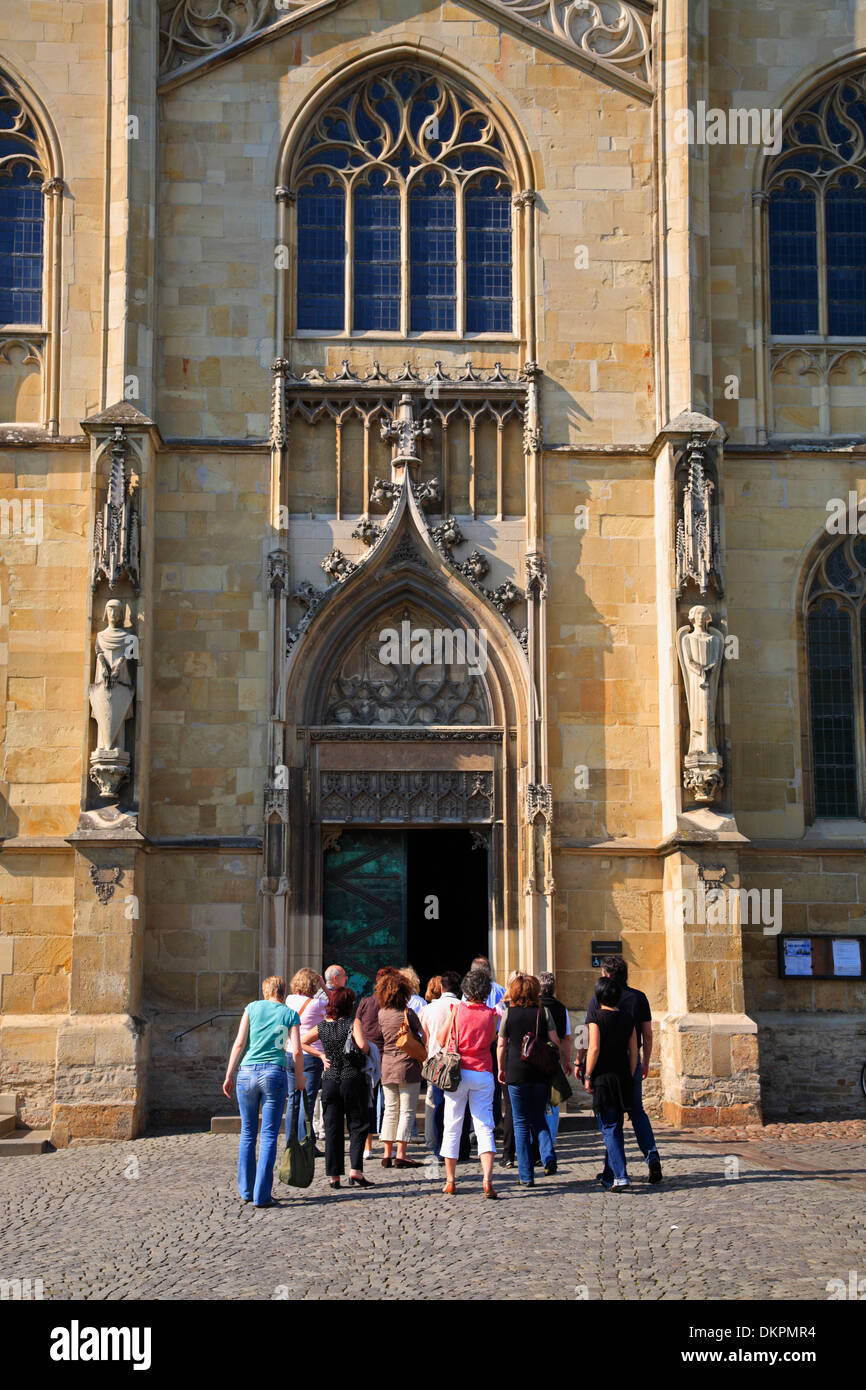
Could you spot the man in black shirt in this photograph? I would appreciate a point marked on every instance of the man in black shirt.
(634, 1003)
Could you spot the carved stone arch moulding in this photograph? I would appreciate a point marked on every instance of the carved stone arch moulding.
(404, 568)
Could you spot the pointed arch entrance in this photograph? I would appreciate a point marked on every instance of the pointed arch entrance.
(402, 725)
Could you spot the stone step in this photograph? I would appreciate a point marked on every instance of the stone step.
(25, 1141)
(7, 1124)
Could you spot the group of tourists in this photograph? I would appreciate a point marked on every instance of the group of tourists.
(357, 1065)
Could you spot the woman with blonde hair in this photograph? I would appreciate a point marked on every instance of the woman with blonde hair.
(309, 998)
(268, 1030)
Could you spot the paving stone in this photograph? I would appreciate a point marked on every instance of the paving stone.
(178, 1231)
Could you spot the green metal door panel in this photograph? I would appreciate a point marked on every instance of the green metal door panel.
(364, 904)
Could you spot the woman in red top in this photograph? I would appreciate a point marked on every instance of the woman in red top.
(471, 1028)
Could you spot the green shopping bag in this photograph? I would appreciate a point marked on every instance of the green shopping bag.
(298, 1165)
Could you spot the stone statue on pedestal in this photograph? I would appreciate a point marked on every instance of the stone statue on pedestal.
(111, 696)
(701, 650)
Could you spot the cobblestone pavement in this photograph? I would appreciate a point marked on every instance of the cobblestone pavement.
(159, 1218)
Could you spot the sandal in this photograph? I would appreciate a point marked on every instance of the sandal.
(490, 1190)
(449, 1189)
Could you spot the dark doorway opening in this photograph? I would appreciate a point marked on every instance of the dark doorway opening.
(405, 897)
(447, 900)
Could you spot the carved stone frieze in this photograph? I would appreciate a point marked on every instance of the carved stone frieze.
(406, 797)
(378, 733)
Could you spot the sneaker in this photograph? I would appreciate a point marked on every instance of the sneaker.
(655, 1168)
(550, 1168)
(619, 1185)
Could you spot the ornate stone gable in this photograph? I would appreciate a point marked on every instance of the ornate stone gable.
(611, 39)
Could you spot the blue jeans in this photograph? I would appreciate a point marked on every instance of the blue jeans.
(527, 1107)
(313, 1069)
(265, 1084)
(434, 1116)
(640, 1120)
(610, 1125)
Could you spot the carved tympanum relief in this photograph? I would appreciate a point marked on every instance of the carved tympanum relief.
(406, 669)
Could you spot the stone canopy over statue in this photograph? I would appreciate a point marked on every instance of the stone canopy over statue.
(111, 699)
(701, 651)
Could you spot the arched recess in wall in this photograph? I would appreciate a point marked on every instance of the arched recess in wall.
(810, 231)
(410, 152)
(31, 192)
(367, 742)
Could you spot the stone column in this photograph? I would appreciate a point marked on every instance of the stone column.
(102, 1044)
(709, 1046)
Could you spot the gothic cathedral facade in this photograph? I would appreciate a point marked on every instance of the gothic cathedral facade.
(431, 442)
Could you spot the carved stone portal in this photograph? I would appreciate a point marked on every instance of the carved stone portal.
(701, 651)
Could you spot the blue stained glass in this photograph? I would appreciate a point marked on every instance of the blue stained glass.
(793, 261)
(845, 208)
(488, 257)
(432, 256)
(21, 232)
(377, 256)
(321, 256)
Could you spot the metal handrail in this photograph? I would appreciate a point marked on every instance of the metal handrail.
(204, 1024)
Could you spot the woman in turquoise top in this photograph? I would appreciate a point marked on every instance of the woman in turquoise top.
(269, 1030)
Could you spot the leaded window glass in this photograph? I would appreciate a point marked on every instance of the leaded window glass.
(817, 217)
(322, 253)
(836, 649)
(21, 215)
(421, 178)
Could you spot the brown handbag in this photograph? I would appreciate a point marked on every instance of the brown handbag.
(443, 1068)
(408, 1042)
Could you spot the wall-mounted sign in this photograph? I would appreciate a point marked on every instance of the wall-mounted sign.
(822, 957)
(604, 948)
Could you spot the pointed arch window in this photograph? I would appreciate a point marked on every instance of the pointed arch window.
(817, 217)
(22, 214)
(836, 650)
(404, 213)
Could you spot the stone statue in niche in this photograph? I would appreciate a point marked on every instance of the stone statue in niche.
(701, 650)
(111, 696)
